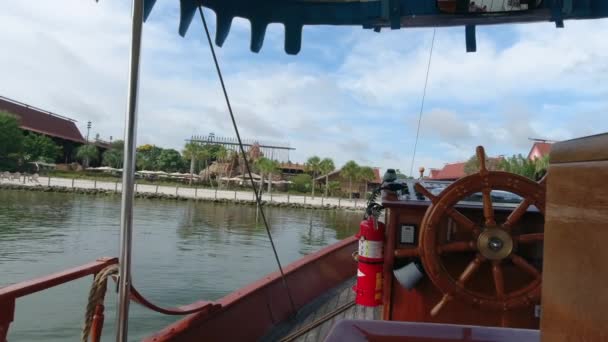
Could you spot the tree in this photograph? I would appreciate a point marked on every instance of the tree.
(87, 153)
(312, 166)
(266, 166)
(194, 152)
(113, 157)
(326, 166)
(170, 160)
(301, 182)
(38, 147)
(350, 171)
(472, 165)
(147, 157)
(221, 156)
(365, 175)
(518, 164)
(334, 188)
(11, 140)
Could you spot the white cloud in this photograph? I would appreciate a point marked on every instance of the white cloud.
(353, 94)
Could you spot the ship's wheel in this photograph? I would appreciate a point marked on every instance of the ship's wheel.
(492, 245)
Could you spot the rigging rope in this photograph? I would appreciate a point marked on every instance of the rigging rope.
(244, 155)
(426, 82)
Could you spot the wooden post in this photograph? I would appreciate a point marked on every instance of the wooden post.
(339, 200)
(355, 203)
(24, 177)
(48, 183)
(253, 196)
(72, 183)
(116, 187)
(135, 187)
(235, 195)
(176, 189)
(304, 199)
(215, 196)
(95, 184)
(156, 190)
(195, 193)
(288, 197)
(322, 200)
(271, 197)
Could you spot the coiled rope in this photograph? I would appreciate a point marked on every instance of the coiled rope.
(97, 295)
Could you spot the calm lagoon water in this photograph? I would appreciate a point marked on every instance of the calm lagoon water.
(183, 251)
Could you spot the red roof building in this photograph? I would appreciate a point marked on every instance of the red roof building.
(449, 172)
(539, 150)
(40, 121)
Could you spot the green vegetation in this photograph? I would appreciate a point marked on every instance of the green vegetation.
(313, 165)
(326, 166)
(112, 157)
(365, 174)
(266, 166)
(350, 170)
(518, 164)
(18, 147)
(301, 183)
(87, 154)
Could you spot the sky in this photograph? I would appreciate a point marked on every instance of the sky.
(350, 93)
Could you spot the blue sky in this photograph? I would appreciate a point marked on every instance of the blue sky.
(350, 93)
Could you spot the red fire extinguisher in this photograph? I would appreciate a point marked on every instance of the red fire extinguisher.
(371, 259)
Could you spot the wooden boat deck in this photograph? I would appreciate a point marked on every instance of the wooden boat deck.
(309, 326)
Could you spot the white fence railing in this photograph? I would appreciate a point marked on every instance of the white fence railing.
(186, 191)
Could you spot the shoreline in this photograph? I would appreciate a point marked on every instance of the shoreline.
(165, 196)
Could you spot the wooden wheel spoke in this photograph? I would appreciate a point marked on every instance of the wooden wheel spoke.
(458, 246)
(444, 300)
(499, 282)
(471, 269)
(488, 208)
(407, 253)
(426, 193)
(516, 215)
(530, 238)
(462, 220)
(525, 266)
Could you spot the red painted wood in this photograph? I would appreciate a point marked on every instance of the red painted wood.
(7, 315)
(27, 287)
(97, 324)
(251, 312)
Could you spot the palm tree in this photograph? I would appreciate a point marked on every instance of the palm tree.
(366, 174)
(326, 166)
(350, 171)
(265, 165)
(312, 165)
(87, 153)
(221, 155)
(195, 152)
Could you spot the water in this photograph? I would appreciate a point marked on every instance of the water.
(183, 252)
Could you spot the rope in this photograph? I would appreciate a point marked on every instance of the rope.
(258, 199)
(96, 297)
(426, 82)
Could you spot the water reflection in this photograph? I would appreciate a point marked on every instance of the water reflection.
(183, 251)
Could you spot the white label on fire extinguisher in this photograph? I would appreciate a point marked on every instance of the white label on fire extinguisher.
(370, 249)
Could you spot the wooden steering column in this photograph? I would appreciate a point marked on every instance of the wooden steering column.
(489, 241)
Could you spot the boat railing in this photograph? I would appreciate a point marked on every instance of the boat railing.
(94, 317)
(9, 294)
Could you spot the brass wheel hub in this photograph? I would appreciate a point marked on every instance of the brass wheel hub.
(495, 244)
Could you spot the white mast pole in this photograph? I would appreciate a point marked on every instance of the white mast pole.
(128, 174)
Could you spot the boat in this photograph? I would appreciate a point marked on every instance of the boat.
(460, 261)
